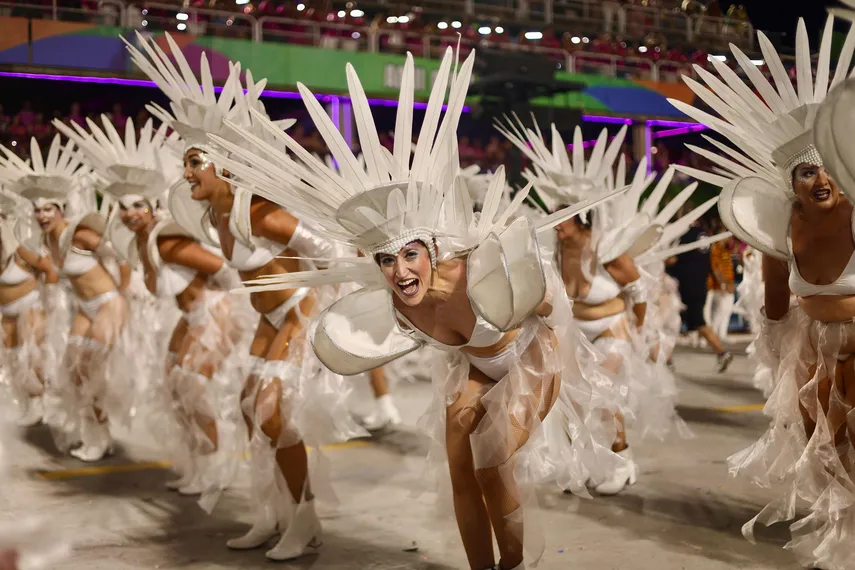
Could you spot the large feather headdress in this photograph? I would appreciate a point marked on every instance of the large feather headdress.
(396, 197)
(770, 125)
(43, 180)
(132, 166)
(196, 110)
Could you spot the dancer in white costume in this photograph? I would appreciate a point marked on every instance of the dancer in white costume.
(597, 260)
(136, 171)
(751, 293)
(25, 276)
(289, 399)
(74, 242)
(472, 286)
(783, 194)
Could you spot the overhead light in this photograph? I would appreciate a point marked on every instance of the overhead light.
(181, 16)
(576, 40)
(484, 30)
(301, 7)
(341, 14)
(586, 40)
(230, 21)
(499, 30)
(241, 2)
(391, 20)
(533, 35)
(758, 62)
(182, 26)
(403, 19)
(442, 25)
(145, 12)
(144, 23)
(721, 58)
(356, 13)
(455, 24)
(355, 35)
(14, 143)
(642, 49)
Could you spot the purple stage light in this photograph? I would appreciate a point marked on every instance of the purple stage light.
(680, 131)
(147, 83)
(661, 123)
(606, 119)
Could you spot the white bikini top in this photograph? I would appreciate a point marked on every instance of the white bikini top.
(483, 334)
(77, 262)
(603, 288)
(14, 274)
(173, 279)
(250, 252)
(250, 259)
(843, 285)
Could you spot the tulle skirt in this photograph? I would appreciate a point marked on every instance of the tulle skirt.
(516, 439)
(810, 363)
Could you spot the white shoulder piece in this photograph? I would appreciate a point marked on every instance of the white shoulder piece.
(191, 215)
(834, 134)
(240, 223)
(8, 241)
(93, 220)
(28, 234)
(505, 280)
(758, 213)
(124, 240)
(360, 332)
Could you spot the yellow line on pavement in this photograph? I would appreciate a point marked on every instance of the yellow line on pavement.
(150, 465)
(102, 470)
(740, 409)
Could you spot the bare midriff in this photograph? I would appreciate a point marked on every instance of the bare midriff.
(266, 301)
(94, 282)
(494, 350)
(11, 293)
(187, 299)
(829, 308)
(585, 312)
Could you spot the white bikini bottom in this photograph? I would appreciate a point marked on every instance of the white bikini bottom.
(495, 367)
(16, 308)
(593, 329)
(276, 317)
(89, 307)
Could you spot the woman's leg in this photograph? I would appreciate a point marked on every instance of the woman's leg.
(275, 411)
(473, 520)
(497, 478)
(102, 334)
(264, 525)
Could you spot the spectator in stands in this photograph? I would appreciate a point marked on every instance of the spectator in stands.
(75, 116)
(118, 117)
(40, 129)
(4, 121)
(612, 9)
(26, 116)
(690, 270)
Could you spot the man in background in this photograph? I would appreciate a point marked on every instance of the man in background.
(691, 269)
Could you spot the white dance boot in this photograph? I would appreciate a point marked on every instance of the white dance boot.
(385, 414)
(622, 477)
(96, 441)
(33, 412)
(302, 536)
(257, 535)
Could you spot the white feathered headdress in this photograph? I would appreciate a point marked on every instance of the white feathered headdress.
(43, 180)
(770, 125)
(131, 167)
(396, 197)
(196, 109)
